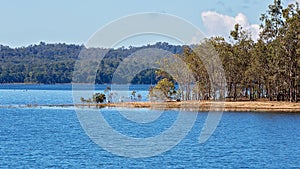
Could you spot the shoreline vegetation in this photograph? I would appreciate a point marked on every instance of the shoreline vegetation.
(205, 106)
(201, 106)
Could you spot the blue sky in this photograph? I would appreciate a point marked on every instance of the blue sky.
(74, 21)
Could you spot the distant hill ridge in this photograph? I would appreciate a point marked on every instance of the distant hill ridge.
(54, 63)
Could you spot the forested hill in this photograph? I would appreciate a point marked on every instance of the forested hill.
(54, 63)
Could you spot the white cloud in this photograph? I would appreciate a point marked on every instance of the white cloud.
(221, 25)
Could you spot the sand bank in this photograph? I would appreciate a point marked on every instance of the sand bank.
(245, 106)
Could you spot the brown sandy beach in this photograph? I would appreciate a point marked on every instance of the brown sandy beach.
(240, 106)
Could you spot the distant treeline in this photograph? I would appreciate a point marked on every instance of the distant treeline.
(54, 63)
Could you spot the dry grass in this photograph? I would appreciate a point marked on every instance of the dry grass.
(241, 106)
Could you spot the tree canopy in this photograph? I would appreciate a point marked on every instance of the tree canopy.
(268, 68)
(54, 63)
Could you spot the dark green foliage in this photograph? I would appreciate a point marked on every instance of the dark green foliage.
(99, 97)
(164, 90)
(54, 63)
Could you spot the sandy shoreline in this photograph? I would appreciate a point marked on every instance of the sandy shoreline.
(203, 106)
(245, 106)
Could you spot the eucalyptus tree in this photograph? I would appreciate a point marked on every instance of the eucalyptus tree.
(163, 91)
(258, 69)
(241, 52)
(289, 37)
(202, 87)
(271, 23)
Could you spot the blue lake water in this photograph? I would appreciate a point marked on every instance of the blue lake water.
(53, 137)
(22, 94)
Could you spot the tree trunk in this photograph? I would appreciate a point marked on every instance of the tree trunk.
(234, 93)
(259, 90)
(269, 91)
(251, 93)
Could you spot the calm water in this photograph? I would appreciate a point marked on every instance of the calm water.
(53, 137)
(20, 94)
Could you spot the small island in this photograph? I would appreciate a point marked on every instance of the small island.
(194, 106)
(204, 106)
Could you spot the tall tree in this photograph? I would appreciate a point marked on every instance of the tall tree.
(242, 47)
(289, 39)
(271, 23)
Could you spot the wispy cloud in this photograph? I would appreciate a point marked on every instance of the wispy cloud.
(220, 25)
